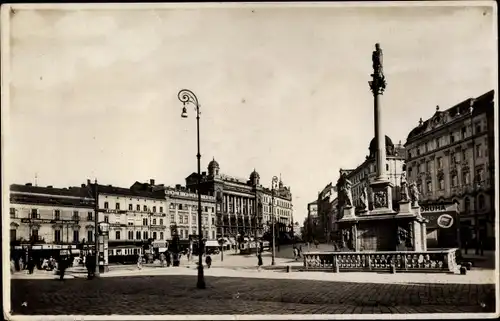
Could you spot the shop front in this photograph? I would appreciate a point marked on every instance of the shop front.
(443, 228)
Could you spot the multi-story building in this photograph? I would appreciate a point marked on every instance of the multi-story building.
(362, 175)
(326, 210)
(451, 158)
(243, 206)
(50, 219)
(134, 216)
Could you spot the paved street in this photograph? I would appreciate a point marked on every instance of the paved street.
(175, 294)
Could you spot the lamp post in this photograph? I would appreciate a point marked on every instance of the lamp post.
(187, 96)
(274, 181)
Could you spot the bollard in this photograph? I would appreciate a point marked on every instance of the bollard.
(463, 270)
(468, 265)
(288, 269)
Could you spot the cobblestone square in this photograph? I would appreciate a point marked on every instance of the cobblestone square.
(176, 294)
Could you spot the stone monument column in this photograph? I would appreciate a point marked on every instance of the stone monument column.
(381, 187)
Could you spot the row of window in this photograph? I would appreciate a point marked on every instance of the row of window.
(185, 207)
(137, 207)
(455, 158)
(444, 140)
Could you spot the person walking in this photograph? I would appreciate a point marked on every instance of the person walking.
(259, 261)
(208, 261)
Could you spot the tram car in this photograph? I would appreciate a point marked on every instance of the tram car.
(124, 254)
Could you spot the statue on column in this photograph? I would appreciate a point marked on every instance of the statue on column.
(364, 200)
(378, 62)
(345, 189)
(404, 188)
(414, 194)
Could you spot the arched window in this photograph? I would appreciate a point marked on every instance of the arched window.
(481, 202)
(467, 205)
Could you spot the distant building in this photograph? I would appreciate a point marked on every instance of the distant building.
(326, 210)
(451, 159)
(243, 207)
(363, 174)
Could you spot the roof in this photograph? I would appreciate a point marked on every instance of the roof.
(462, 109)
(114, 190)
(41, 195)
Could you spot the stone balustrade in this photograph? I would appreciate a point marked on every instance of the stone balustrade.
(403, 261)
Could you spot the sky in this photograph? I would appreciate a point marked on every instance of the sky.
(93, 93)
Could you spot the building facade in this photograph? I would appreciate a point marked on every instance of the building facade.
(362, 175)
(51, 216)
(243, 207)
(450, 156)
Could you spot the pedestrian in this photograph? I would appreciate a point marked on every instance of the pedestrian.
(31, 265)
(259, 261)
(62, 267)
(139, 262)
(208, 261)
(162, 259)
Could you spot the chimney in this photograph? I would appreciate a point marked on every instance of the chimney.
(49, 186)
(151, 181)
(29, 184)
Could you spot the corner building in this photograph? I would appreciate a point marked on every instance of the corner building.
(243, 206)
(451, 159)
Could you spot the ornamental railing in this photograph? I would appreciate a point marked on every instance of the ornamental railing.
(402, 261)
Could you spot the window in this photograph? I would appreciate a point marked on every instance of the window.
(478, 127)
(454, 180)
(90, 236)
(106, 219)
(441, 184)
(144, 221)
(154, 209)
(57, 215)
(154, 235)
(57, 236)
(440, 162)
(145, 208)
(154, 221)
(130, 207)
(465, 178)
(138, 208)
(161, 221)
(117, 235)
(34, 213)
(76, 236)
(12, 212)
(479, 150)
(161, 209)
(145, 235)
(481, 202)
(117, 206)
(90, 216)
(161, 235)
(106, 205)
(138, 235)
(464, 132)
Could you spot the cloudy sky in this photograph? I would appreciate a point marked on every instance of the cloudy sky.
(93, 93)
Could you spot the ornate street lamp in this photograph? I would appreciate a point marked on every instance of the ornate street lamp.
(187, 96)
